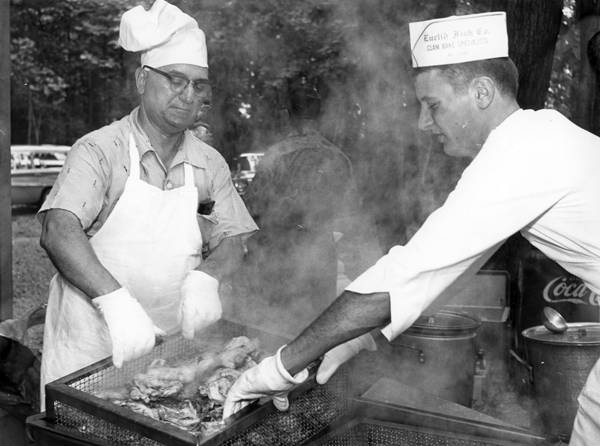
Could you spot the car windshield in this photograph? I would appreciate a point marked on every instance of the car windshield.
(35, 157)
(244, 164)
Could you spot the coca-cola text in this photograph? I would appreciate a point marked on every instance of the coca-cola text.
(568, 289)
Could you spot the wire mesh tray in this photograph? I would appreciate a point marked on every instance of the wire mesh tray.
(71, 405)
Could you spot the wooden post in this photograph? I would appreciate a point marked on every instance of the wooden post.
(6, 307)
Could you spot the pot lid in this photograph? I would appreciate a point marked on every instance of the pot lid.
(444, 323)
(580, 333)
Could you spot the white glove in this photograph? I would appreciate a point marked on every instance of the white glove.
(342, 353)
(267, 379)
(200, 303)
(131, 330)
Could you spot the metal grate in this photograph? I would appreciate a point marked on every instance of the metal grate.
(313, 408)
(93, 427)
(177, 348)
(370, 432)
(308, 415)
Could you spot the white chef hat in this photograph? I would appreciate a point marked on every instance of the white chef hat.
(164, 34)
(458, 39)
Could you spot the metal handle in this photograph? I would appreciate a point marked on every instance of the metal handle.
(420, 353)
(479, 376)
(480, 362)
(524, 363)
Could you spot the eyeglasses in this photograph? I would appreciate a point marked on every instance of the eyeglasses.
(201, 87)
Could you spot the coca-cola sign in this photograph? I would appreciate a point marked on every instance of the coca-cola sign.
(569, 289)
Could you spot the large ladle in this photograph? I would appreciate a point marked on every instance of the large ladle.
(554, 321)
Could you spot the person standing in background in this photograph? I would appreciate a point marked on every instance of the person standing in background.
(135, 202)
(312, 228)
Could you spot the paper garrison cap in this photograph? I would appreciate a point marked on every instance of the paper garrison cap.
(458, 39)
(164, 34)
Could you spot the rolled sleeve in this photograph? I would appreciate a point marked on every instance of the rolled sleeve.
(230, 216)
(81, 185)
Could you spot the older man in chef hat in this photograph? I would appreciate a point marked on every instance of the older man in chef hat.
(136, 202)
(530, 171)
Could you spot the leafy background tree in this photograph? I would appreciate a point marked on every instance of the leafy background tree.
(586, 85)
(66, 69)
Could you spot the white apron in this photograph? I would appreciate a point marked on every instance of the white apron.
(149, 242)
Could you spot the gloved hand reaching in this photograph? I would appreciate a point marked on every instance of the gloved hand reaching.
(267, 379)
(131, 330)
(335, 357)
(200, 303)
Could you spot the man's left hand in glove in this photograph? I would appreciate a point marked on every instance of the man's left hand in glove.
(200, 303)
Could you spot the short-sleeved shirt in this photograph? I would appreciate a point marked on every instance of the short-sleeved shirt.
(305, 182)
(302, 180)
(97, 167)
(537, 173)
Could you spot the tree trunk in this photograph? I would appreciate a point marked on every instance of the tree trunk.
(37, 127)
(29, 115)
(6, 281)
(533, 27)
(587, 7)
(594, 56)
(587, 89)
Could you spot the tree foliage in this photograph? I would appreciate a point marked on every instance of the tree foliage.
(65, 67)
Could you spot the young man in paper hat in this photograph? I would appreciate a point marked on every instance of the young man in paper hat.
(531, 171)
(127, 219)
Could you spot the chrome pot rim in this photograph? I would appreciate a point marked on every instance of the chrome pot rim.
(583, 334)
(444, 323)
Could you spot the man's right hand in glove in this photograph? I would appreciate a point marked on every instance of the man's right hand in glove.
(335, 357)
(131, 330)
(267, 379)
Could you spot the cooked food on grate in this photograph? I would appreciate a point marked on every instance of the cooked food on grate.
(189, 394)
(238, 352)
(218, 385)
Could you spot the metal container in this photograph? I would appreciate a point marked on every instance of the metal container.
(560, 364)
(73, 409)
(438, 354)
(544, 283)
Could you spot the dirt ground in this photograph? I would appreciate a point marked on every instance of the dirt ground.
(32, 270)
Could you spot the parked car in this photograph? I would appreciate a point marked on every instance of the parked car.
(33, 170)
(244, 169)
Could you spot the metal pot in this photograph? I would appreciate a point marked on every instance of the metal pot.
(560, 364)
(438, 354)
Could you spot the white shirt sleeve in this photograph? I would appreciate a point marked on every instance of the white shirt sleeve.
(506, 187)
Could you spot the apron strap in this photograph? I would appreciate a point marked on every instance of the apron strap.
(134, 159)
